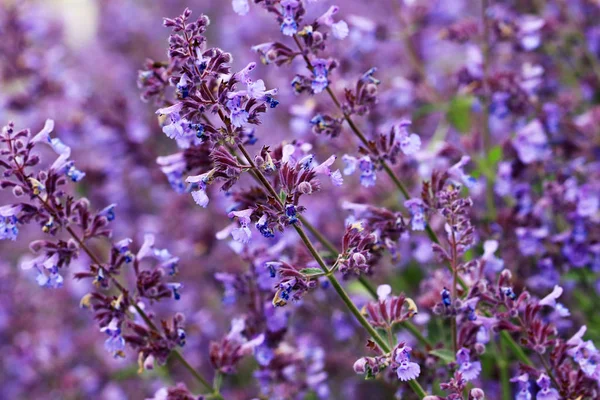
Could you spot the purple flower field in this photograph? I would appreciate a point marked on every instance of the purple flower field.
(299, 199)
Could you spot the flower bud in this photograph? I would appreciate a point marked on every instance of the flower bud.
(305, 188)
(359, 258)
(360, 366)
(479, 348)
(476, 394)
(317, 38)
(259, 161)
(17, 191)
(180, 318)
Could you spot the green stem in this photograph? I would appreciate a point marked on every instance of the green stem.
(330, 276)
(138, 309)
(503, 369)
(487, 136)
(175, 354)
(516, 349)
(365, 142)
(417, 388)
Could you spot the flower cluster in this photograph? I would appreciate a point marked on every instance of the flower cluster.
(296, 187)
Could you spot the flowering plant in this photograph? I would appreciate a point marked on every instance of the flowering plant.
(462, 262)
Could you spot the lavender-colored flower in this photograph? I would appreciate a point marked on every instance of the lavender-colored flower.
(8, 222)
(456, 171)
(493, 264)
(289, 26)
(588, 201)
(546, 392)
(367, 171)
(410, 143)
(240, 7)
(550, 300)
(406, 369)
(242, 234)
(417, 213)
(239, 116)
(470, 370)
(198, 188)
(531, 143)
(529, 31)
(338, 29)
(320, 72)
(47, 270)
(115, 344)
(523, 381)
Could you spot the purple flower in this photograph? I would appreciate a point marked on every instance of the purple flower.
(8, 222)
(529, 31)
(417, 214)
(504, 184)
(407, 370)
(530, 240)
(320, 72)
(550, 300)
(469, 369)
(183, 87)
(115, 344)
(263, 227)
(242, 234)
(456, 171)
(198, 187)
(546, 392)
(240, 7)
(47, 270)
(238, 115)
(289, 26)
(44, 134)
(493, 264)
(178, 128)
(175, 288)
(588, 201)
(173, 166)
(531, 143)
(108, 212)
(338, 29)
(367, 171)
(523, 381)
(336, 176)
(350, 164)
(410, 143)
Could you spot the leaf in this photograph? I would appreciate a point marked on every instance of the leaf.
(445, 355)
(459, 113)
(311, 271)
(282, 196)
(495, 155)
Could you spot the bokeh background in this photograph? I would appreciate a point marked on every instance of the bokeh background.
(77, 62)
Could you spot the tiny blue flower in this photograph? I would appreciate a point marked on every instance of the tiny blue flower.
(175, 288)
(446, 297)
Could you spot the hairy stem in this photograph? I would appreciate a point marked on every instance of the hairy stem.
(174, 353)
(358, 133)
(485, 106)
(503, 370)
(331, 277)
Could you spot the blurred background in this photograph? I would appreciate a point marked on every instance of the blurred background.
(77, 62)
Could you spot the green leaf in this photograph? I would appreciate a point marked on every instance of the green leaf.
(495, 155)
(282, 196)
(445, 355)
(459, 113)
(311, 271)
